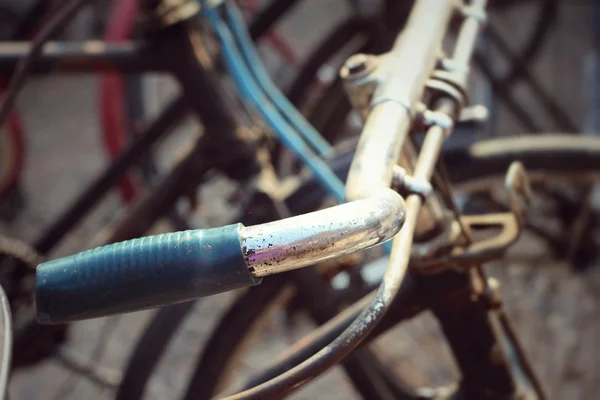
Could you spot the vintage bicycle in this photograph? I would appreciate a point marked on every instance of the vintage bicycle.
(426, 95)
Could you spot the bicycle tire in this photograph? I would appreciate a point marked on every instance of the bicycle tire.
(547, 153)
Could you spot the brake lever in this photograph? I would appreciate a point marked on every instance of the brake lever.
(511, 224)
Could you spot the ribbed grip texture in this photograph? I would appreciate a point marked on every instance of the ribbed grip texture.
(141, 273)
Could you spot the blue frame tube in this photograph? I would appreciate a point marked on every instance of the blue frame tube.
(257, 68)
(251, 90)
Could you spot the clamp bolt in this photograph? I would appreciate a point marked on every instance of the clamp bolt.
(357, 65)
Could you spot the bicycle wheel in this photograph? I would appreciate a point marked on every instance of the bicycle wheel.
(546, 157)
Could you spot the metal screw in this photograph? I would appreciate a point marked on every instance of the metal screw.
(357, 63)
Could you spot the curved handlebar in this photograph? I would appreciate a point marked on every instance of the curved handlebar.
(176, 267)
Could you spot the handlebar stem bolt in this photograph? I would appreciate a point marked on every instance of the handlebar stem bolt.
(358, 64)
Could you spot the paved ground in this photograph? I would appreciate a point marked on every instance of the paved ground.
(554, 311)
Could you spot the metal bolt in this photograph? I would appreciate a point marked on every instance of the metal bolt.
(357, 63)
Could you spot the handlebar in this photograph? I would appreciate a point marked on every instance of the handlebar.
(166, 269)
(146, 273)
(397, 95)
(176, 267)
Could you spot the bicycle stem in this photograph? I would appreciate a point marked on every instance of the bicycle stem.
(407, 67)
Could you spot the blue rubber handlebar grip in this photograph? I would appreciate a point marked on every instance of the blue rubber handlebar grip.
(141, 273)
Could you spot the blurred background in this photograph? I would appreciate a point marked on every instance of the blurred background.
(554, 309)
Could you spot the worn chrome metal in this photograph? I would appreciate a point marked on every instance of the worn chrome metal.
(404, 183)
(450, 87)
(405, 70)
(381, 142)
(423, 171)
(307, 239)
(388, 123)
(431, 215)
(361, 76)
(415, 53)
(449, 65)
(440, 119)
(357, 65)
(412, 61)
(448, 237)
(475, 10)
(353, 335)
(430, 152)
(453, 73)
(377, 151)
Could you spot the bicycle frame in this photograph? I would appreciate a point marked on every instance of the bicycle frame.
(494, 366)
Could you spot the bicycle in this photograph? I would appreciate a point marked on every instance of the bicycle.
(535, 153)
(421, 193)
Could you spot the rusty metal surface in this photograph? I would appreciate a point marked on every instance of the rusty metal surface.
(307, 239)
(554, 311)
(411, 60)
